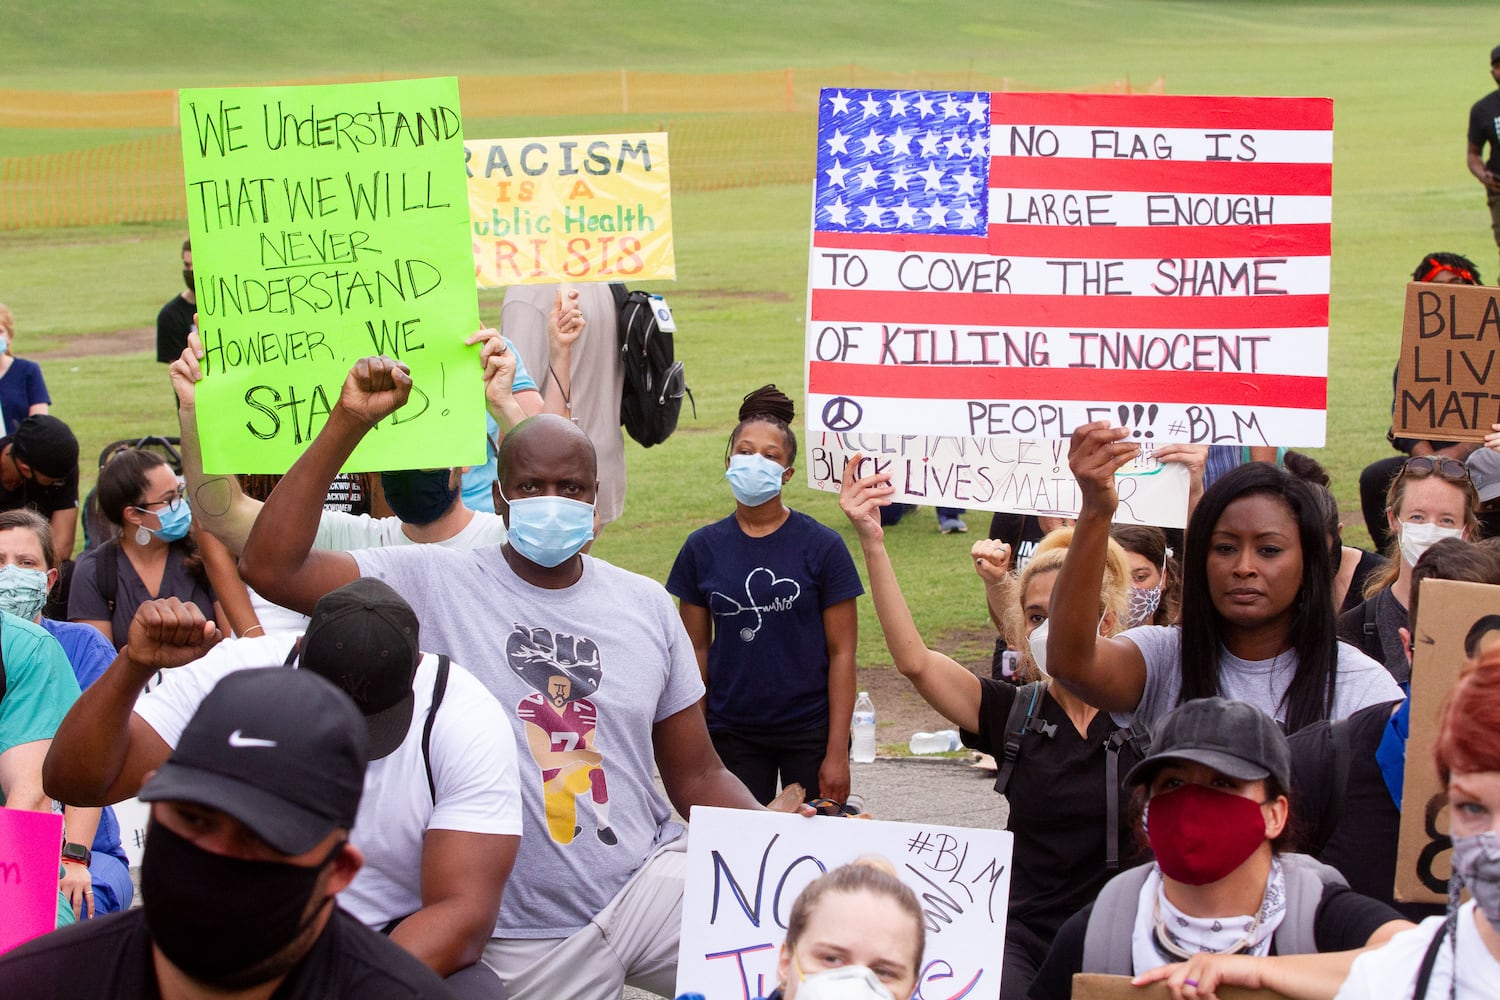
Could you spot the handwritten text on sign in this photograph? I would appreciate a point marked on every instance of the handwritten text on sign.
(746, 869)
(1018, 264)
(570, 208)
(29, 842)
(1452, 617)
(328, 224)
(1009, 474)
(1448, 384)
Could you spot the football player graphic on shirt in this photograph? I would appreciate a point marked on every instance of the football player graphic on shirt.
(561, 722)
(765, 592)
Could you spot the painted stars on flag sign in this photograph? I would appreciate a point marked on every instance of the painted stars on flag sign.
(900, 161)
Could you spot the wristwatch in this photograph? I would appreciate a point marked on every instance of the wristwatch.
(77, 852)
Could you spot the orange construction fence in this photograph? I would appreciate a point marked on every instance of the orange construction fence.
(727, 130)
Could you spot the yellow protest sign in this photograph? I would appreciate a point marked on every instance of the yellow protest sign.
(570, 208)
(328, 224)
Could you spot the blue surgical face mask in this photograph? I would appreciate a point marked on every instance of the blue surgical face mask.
(174, 523)
(4, 344)
(548, 530)
(23, 591)
(754, 479)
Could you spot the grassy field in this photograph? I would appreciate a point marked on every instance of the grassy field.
(1401, 76)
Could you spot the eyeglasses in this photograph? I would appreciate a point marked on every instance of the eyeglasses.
(171, 504)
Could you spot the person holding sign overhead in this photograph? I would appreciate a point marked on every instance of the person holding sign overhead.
(1257, 620)
(1064, 814)
(767, 597)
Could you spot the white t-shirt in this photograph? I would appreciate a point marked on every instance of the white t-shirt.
(341, 532)
(1361, 681)
(587, 671)
(473, 767)
(1390, 972)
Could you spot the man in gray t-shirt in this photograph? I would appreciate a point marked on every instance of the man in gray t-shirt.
(593, 662)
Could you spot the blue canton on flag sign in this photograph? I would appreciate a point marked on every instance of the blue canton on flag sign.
(902, 161)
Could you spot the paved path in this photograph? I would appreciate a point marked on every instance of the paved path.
(919, 790)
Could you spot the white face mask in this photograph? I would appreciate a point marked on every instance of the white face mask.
(1418, 538)
(847, 982)
(1038, 643)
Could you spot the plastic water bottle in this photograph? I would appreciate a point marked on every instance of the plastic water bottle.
(864, 728)
(939, 742)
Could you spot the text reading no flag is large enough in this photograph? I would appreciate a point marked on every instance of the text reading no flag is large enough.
(1019, 264)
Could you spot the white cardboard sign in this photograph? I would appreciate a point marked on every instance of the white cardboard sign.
(745, 869)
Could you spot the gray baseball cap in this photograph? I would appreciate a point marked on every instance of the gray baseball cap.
(1233, 737)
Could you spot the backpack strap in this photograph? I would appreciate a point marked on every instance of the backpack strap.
(439, 686)
(1429, 960)
(1106, 939)
(107, 573)
(1333, 799)
(1370, 634)
(1306, 878)
(1117, 741)
(1021, 720)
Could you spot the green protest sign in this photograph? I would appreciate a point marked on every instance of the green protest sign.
(330, 223)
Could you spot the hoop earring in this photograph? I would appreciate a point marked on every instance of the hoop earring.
(142, 535)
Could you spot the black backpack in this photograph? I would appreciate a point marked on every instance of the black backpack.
(654, 380)
(1023, 720)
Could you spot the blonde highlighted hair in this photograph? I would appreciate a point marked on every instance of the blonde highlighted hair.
(1114, 598)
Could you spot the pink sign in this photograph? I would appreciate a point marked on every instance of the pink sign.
(29, 845)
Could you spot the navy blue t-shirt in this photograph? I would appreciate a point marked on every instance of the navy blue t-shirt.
(768, 663)
(21, 388)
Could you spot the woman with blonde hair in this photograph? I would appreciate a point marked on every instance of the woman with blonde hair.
(1058, 758)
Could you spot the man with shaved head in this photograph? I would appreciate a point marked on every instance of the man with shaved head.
(591, 660)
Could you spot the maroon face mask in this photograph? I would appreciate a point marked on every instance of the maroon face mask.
(1201, 834)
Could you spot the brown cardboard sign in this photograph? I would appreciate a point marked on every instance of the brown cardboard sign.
(1448, 613)
(1091, 987)
(1448, 384)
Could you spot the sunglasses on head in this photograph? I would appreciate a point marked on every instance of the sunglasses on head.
(1450, 469)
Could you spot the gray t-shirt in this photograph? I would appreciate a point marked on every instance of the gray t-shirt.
(583, 671)
(1361, 681)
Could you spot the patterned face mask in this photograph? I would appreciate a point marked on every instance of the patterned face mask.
(1143, 603)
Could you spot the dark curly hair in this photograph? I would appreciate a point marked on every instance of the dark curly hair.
(1454, 263)
(767, 405)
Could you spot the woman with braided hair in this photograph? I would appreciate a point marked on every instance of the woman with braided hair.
(767, 596)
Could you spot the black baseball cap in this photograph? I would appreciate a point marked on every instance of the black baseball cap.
(282, 751)
(1233, 737)
(47, 445)
(363, 637)
(1495, 55)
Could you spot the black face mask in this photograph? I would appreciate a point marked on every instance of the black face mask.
(419, 497)
(216, 917)
(187, 277)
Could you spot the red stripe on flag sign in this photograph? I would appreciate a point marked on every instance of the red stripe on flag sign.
(1103, 242)
(1216, 114)
(833, 378)
(1156, 242)
(1082, 312)
(1163, 176)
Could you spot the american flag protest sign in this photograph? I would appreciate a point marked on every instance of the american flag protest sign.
(994, 264)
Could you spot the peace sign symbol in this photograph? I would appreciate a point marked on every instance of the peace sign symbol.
(842, 414)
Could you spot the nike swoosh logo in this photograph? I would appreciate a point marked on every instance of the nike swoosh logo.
(237, 740)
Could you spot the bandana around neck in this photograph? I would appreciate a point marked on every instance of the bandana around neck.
(1164, 934)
